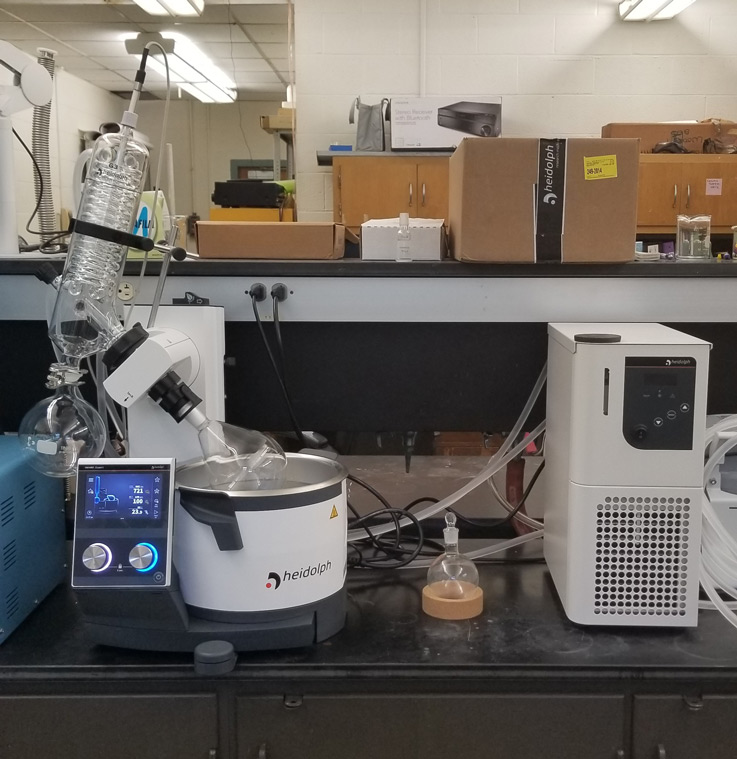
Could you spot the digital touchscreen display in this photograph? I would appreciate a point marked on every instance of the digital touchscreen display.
(134, 495)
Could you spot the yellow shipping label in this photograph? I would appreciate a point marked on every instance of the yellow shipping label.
(600, 167)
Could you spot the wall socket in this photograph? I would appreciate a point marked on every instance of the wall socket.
(126, 291)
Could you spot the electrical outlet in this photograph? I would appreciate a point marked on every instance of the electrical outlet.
(125, 291)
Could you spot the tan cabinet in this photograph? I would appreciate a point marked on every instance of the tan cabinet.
(670, 185)
(380, 187)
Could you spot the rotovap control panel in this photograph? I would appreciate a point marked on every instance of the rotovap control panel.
(123, 523)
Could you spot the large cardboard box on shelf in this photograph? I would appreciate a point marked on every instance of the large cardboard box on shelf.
(692, 135)
(519, 200)
(261, 239)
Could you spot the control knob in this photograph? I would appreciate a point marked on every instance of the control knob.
(143, 556)
(97, 557)
(639, 432)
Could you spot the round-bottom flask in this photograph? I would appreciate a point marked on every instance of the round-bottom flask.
(452, 590)
(61, 429)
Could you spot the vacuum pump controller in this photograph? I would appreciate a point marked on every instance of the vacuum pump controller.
(123, 523)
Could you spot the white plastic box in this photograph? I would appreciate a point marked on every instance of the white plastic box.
(379, 239)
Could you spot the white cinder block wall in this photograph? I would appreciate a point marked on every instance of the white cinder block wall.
(77, 106)
(562, 67)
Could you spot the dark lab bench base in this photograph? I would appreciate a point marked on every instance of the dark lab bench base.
(518, 681)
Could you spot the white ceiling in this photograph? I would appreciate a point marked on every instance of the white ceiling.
(247, 40)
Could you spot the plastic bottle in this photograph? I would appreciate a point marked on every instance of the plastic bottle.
(404, 235)
(84, 320)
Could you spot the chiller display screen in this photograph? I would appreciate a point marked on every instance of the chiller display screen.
(129, 495)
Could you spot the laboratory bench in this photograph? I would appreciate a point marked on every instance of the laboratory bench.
(518, 681)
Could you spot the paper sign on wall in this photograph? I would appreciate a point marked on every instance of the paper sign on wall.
(713, 186)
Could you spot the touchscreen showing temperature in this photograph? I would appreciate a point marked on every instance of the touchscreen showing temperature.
(128, 495)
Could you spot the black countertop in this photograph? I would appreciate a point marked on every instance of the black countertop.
(521, 634)
(354, 267)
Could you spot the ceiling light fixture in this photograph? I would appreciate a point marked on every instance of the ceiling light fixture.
(651, 10)
(189, 68)
(172, 7)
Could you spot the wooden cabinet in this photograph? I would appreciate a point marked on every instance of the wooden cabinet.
(670, 185)
(381, 187)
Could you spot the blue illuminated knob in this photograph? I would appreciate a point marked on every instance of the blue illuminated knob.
(143, 557)
(97, 557)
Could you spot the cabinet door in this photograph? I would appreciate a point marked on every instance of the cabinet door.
(709, 187)
(114, 727)
(674, 727)
(430, 727)
(372, 188)
(659, 191)
(432, 189)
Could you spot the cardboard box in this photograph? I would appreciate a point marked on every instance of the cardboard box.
(690, 134)
(251, 214)
(545, 200)
(379, 239)
(440, 123)
(282, 120)
(261, 239)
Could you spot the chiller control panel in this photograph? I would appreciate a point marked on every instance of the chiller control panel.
(123, 523)
(659, 393)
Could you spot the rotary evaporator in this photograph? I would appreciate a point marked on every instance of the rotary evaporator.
(205, 532)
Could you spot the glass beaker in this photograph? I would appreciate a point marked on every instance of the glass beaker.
(693, 238)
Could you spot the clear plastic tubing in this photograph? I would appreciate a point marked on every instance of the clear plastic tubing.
(84, 319)
(496, 462)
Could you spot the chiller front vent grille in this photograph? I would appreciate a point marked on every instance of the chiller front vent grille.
(29, 495)
(642, 556)
(7, 511)
(9, 555)
(12, 603)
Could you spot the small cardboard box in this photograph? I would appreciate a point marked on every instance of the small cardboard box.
(379, 239)
(690, 134)
(263, 239)
(441, 123)
(519, 200)
(278, 121)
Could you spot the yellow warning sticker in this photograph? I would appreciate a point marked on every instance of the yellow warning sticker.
(334, 513)
(600, 167)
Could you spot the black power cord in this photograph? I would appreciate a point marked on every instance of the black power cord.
(492, 524)
(257, 293)
(59, 233)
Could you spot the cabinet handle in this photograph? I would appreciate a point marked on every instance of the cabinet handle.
(660, 752)
(410, 194)
(688, 196)
(423, 194)
(340, 179)
(675, 195)
(262, 751)
(693, 703)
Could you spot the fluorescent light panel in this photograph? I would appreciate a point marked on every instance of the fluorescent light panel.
(651, 10)
(191, 70)
(172, 7)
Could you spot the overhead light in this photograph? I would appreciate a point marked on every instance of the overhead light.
(172, 7)
(651, 10)
(189, 68)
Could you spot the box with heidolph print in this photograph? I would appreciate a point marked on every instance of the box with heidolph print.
(543, 200)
